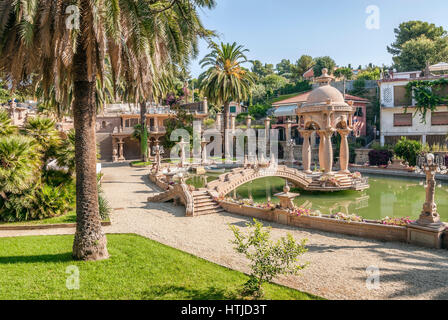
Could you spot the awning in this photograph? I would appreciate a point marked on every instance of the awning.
(442, 66)
(285, 111)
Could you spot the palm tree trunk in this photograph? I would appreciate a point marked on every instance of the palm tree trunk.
(226, 125)
(90, 242)
(144, 133)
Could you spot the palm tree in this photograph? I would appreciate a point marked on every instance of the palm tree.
(6, 128)
(67, 52)
(43, 130)
(225, 79)
(65, 155)
(19, 161)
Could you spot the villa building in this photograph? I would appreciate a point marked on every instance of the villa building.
(115, 127)
(19, 112)
(398, 109)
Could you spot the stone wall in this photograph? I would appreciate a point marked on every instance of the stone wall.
(362, 156)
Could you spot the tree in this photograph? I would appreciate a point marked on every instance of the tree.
(412, 30)
(225, 79)
(258, 92)
(262, 70)
(268, 259)
(345, 73)
(67, 53)
(416, 53)
(370, 74)
(43, 130)
(65, 154)
(304, 64)
(418, 43)
(285, 68)
(274, 82)
(323, 62)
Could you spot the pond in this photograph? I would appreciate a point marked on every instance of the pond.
(387, 196)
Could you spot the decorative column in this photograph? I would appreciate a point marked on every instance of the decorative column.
(248, 122)
(232, 122)
(121, 150)
(267, 127)
(428, 229)
(182, 144)
(306, 151)
(344, 152)
(288, 129)
(322, 138)
(204, 151)
(114, 150)
(219, 121)
(205, 104)
(328, 153)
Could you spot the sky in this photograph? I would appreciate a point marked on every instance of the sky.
(273, 30)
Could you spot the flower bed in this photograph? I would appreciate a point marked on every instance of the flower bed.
(390, 230)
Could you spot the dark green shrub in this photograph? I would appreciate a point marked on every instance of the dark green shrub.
(380, 157)
(408, 150)
(42, 202)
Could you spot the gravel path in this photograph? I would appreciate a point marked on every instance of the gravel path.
(337, 263)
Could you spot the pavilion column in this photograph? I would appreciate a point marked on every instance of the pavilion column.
(344, 153)
(322, 138)
(288, 130)
(267, 127)
(328, 152)
(306, 150)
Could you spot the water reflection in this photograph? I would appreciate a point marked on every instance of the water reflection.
(387, 196)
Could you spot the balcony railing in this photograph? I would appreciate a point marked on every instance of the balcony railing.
(159, 129)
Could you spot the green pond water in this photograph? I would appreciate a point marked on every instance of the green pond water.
(387, 196)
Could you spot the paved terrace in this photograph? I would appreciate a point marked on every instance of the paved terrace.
(338, 263)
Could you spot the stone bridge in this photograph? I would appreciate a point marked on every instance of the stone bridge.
(228, 182)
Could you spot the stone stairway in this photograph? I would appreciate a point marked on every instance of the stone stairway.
(204, 203)
(345, 182)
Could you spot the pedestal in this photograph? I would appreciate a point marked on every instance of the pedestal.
(430, 237)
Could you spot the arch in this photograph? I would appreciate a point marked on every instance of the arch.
(228, 182)
(312, 125)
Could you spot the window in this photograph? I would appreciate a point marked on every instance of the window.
(402, 119)
(401, 97)
(439, 118)
(233, 109)
(103, 124)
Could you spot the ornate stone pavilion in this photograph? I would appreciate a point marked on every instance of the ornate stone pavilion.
(327, 113)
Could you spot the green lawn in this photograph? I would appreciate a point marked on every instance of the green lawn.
(35, 268)
(141, 163)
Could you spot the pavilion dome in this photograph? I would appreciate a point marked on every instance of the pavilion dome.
(325, 92)
(322, 94)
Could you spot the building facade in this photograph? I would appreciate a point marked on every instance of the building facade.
(398, 116)
(115, 127)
